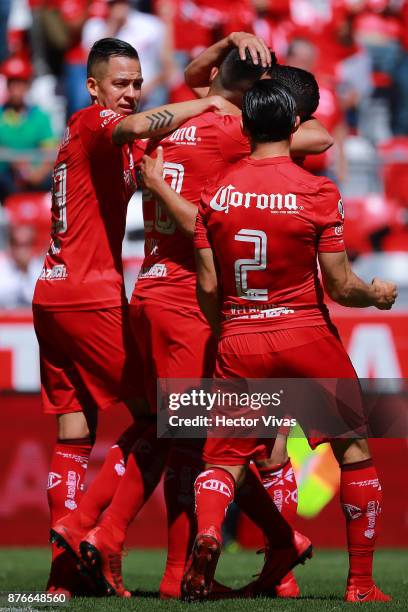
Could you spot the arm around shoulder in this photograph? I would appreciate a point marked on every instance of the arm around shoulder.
(161, 120)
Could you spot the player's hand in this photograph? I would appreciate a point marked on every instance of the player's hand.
(256, 46)
(385, 293)
(151, 170)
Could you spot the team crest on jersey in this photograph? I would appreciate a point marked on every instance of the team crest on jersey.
(277, 203)
(184, 136)
(109, 115)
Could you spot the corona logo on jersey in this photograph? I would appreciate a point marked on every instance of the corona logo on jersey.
(186, 135)
(274, 202)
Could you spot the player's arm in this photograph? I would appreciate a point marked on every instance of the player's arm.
(182, 211)
(347, 289)
(207, 288)
(163, 119)
(197, 73)
(310, 138)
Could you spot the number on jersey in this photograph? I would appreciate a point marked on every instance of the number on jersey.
(162, 222)
(59, 205)
(258, 263)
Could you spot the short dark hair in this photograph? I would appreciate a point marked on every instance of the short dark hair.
(236, 74)
(269, 112)
(302, 85)
(105, 48)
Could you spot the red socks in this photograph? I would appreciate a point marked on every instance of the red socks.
(65, 488)
(67, 475)
(214, 491)
(143, 472)
(281, 486)
(101, 491)
(360, 494)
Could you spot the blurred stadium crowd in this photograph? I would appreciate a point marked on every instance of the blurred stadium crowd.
(358, 50)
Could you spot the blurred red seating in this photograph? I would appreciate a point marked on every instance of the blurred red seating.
(397, 240)
(31, 208)
(367, 217)
(394, 157)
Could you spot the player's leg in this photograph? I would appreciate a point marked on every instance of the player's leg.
(73, 528)
(144, 467)
(277, 476)
(183, 466)
(102, 547)
(214, 492)
(102, 357)
(360, 490)
(178, 344)
(240, 357)
(224, 480)
(75, 437)
(361, 500)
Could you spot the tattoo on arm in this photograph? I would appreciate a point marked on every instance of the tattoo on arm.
(160, 120)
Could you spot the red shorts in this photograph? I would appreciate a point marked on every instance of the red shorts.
(87, 359)
(174, 343)
(308, 352)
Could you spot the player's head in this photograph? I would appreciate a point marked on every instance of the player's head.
(235, 76)
(114, 75)
(269, 112)
(302, 85)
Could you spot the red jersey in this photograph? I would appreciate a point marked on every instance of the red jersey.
(265, 221)
(93, 181)
(199, 149)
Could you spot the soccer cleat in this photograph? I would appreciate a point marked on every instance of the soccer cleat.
(354, 593)
(59, 590)
(65, 578)
(67, 533)
(278, 562)
(198, 578)
(221, 591)
(172, 590)
(288, 587)
(103, 560)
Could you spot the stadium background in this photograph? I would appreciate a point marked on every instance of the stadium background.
(358, 50)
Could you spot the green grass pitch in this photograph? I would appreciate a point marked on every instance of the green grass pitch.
(321, 580)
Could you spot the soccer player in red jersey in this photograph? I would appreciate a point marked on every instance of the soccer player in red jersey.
(93, 181)
(80, 309)
(262, 224)
(170, 330)
(162, 329)
(166, 281)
